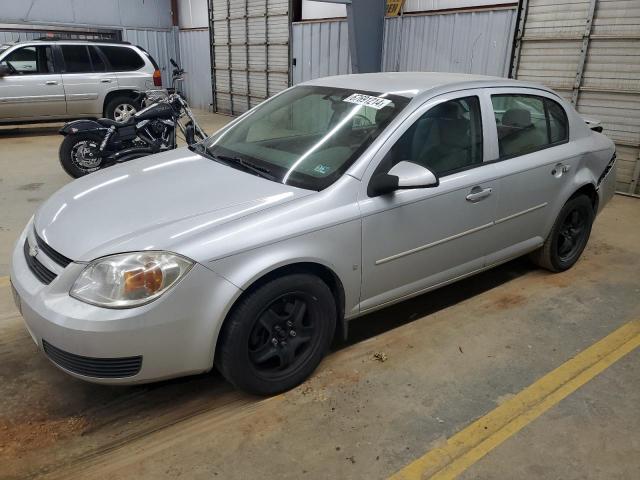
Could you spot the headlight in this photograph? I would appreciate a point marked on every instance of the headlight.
(129, 279)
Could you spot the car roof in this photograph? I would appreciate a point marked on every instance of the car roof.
(68, 40)
(413, 84)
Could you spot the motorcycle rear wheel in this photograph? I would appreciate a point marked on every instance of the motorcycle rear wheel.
(79, 154)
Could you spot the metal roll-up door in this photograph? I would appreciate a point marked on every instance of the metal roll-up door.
(249, 52)
(589, 51)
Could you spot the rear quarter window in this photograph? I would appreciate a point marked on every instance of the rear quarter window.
(122, 59)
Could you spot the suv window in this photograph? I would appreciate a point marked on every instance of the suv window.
(527, 123)
(76, 58)
(122, 59)
(96, 60)
(30, 60)
(445, 139)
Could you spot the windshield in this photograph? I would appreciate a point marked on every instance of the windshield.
(308, 136)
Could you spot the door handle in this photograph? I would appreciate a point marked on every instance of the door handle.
(106, 80)
(50, 82)
(478, 193)
(559, 169)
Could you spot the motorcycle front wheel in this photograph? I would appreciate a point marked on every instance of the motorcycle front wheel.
(79, 154)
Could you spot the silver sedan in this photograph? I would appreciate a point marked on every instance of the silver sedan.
(335, 198)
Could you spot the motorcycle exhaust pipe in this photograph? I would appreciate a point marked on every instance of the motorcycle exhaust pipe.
(129, 154)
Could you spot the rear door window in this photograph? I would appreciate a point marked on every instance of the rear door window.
(122, 59)
(76, 58)
(527, 123)
(96, 60)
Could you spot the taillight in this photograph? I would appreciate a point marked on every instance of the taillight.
(157, 78)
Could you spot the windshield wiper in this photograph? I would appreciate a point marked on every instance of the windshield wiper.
(229, 160)
(249, 166)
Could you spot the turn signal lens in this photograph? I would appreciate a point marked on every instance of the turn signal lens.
(157, 78)
(129, 279)
(143, 281)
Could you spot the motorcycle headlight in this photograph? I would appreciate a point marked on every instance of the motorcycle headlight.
(129, 279)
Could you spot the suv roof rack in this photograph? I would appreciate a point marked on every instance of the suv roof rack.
(91, 40)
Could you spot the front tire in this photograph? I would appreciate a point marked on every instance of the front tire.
(79, 154)
(277, 334)
(569, 236)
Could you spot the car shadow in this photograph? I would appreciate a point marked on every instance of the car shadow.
(30, 130)
(431, 302)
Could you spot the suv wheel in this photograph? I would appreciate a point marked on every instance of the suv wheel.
(277, 334)
(568, 237)
(121, 108)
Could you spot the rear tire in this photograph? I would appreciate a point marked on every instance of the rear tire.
(121, 106)
(277, 334)
(569, 236)
(69, 150)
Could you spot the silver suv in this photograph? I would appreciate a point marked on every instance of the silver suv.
(61, 79)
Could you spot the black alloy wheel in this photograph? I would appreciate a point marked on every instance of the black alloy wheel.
(282, 336)
(571, 236)
(568, 237)
(277, 334)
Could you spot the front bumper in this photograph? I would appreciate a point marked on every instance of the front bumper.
(174, 335)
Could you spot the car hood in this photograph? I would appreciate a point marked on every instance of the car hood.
(153, 203)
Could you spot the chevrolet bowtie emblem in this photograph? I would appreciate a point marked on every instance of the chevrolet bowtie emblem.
(33, 251)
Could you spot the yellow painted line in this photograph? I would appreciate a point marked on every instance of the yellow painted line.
(471, 444)
(4, 281)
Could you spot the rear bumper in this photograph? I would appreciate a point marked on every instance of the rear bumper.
(172, 336)
(607, 184)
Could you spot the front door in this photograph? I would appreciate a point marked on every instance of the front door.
(413, 240)
(32, 90)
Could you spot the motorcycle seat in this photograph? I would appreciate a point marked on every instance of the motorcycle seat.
(106, 122)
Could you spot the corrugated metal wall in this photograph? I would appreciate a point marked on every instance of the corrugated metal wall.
(431, 5)
(105, 13)
(161, 44)
(250, 52)
(467, 42)
(195, 58)
(471, 42)
(589, 51)
(319, 49)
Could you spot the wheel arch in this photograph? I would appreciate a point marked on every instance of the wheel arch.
(588, 189)
(312, 267)
(116, 93)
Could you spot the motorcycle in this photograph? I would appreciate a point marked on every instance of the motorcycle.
(91, 145)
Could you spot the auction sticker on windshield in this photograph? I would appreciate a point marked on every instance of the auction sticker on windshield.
(368, 101)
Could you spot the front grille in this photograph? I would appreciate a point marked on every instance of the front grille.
(94, 367)
(50, 252)
(41, 272)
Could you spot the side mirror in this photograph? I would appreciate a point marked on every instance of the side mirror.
(4, 70)
(404, 175)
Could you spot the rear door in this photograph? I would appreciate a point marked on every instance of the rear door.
(535, 162)
(33, 90)
(129, 67)
(86, 81)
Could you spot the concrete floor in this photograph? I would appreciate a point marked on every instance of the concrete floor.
(452, 356)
